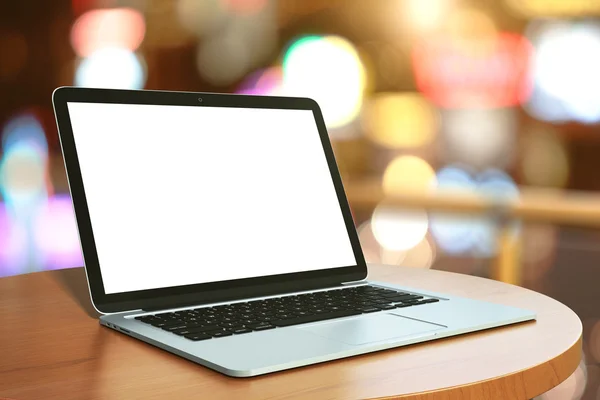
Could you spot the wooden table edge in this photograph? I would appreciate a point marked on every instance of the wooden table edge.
(569, 359)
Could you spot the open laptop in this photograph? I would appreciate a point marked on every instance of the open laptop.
(216, 227)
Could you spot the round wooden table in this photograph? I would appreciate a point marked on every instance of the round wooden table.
(51, 347)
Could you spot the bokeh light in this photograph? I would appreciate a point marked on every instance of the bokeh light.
(14, 53)
(56, 234)
(223, 59)
(13, 244)
(472, 29)
(422, 15)
(112, 68)
(245, 7)
(554, 8)
(464, 234)
(489, 74)
(257, 31)
(328, 70)
(454, 234)
(497, 186)
(202, 17)
(565, 71)
(544, 159)
(408, 174)
(25, 128)
(23, 174)
(391, 257)
(400, 120)
(398, 230)
(421, 256)
(266, 82)
(479, 137)
(539, 248)
(23, 165)
(369, 244)
(105, 28)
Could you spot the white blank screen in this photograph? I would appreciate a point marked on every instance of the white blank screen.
(180, 195)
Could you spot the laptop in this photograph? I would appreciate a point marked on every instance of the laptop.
(216, 227)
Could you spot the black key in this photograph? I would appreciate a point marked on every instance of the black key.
(368, 309)
(402, 305)
(258, 326)
(173, 322)
(313, 318)
(412, 301)
(404, 298)
(303, 313)
(230, 325)
(172, 328)
(266, 319)
(145, 318)
(197, 336)
(158, 323)
(221, 334)
(263, 327)
(386, 306)
(183, 331)
(205, 327)
(429, 301)
(241, 331)
(383, 292)
(394, 294)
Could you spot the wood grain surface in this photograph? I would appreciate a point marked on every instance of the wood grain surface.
(52, 347)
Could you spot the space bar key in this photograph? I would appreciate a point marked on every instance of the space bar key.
(314, 318)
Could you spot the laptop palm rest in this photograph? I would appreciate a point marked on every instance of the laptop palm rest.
(373, 328)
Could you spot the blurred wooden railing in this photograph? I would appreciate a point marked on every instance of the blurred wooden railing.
(539, 205)
(534, 205)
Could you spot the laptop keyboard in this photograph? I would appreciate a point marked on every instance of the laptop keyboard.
(259, 315)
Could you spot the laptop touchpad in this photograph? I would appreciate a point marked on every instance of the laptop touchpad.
(372, 328)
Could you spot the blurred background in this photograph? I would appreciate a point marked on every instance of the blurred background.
(428, 98)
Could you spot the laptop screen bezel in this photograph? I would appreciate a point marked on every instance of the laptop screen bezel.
(202, 292)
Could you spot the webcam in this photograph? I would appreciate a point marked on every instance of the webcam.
(200, 99)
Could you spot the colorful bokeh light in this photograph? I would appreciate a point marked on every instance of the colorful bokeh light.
(113, 68)
(106, 28)
(406, 174)
(329, 70)
(463, 234)
(454, 233)
(479, 137)
(398, 230)
(23, 164)
(400, 120)
(422, 15)
(13, 244)
(565, 71)
(245, 7)
(26, 129)
(223, 59)
(56, 235)
(265, 82)
(476, 74)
